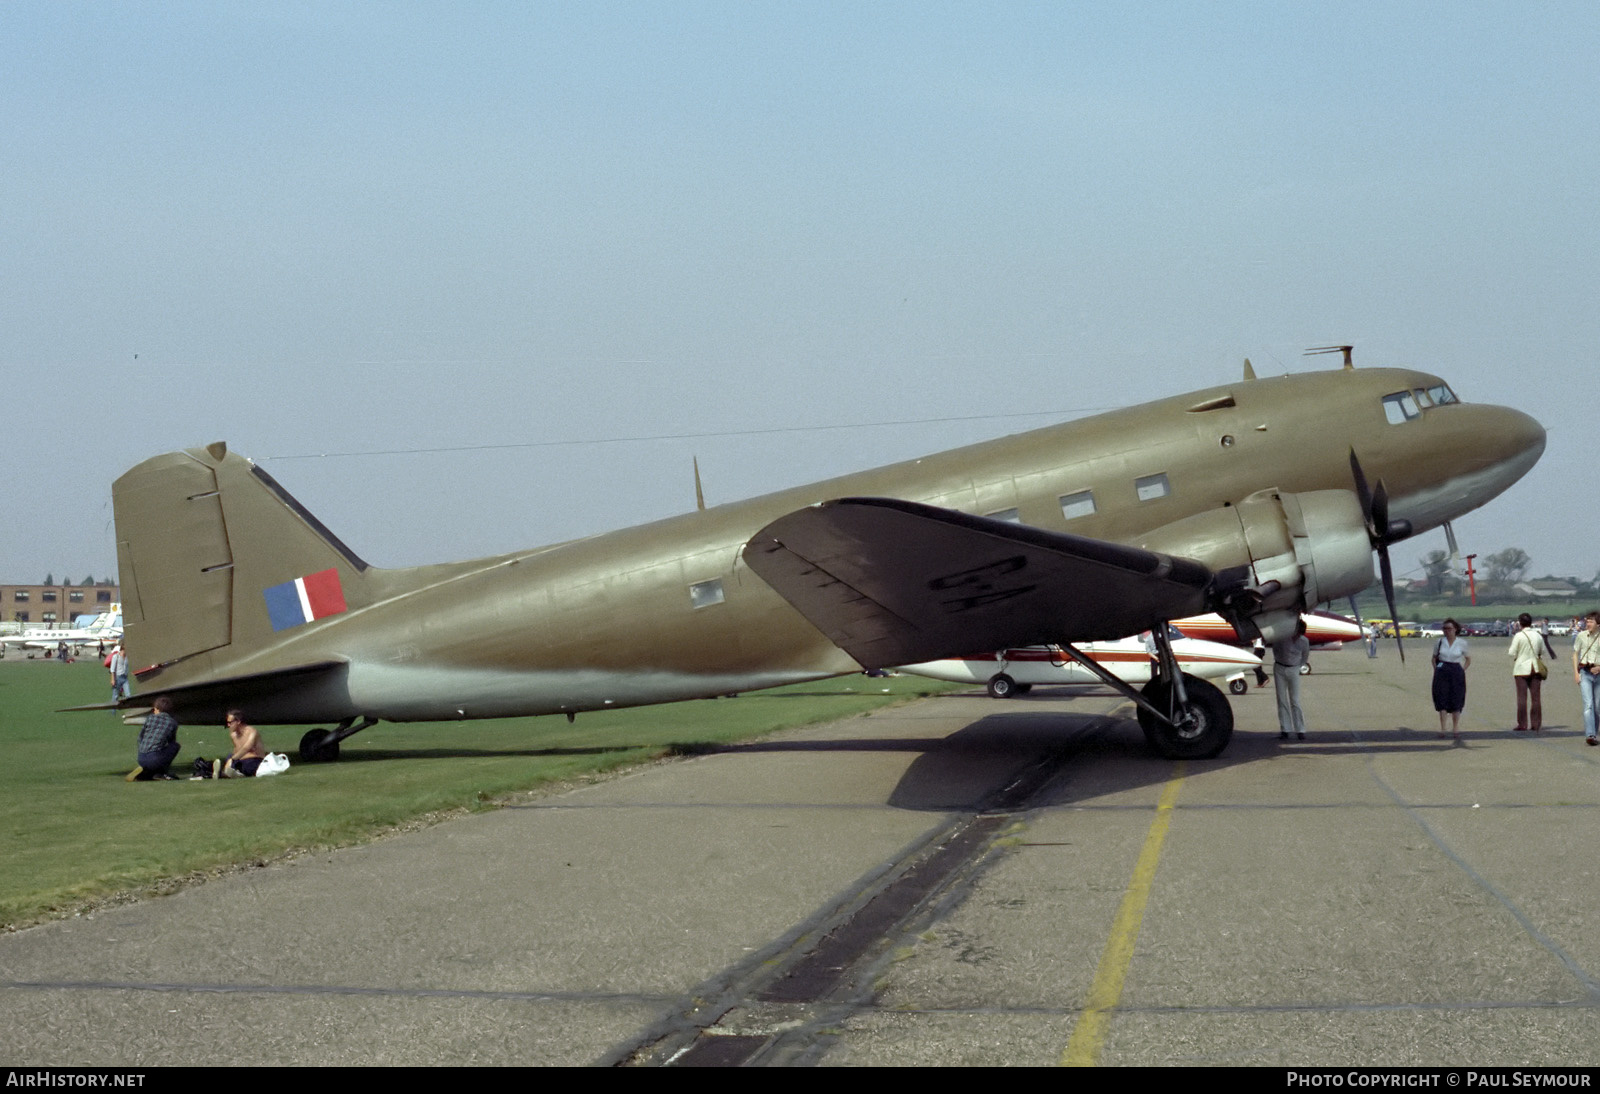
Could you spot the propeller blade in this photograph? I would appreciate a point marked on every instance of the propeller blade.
(1363, 495)
(1378, 516)
(1380, 532)
(1388, 593)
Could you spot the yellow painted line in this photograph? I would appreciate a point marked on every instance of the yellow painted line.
(1089, 1035)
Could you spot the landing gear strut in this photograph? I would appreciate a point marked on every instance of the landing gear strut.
(1183, 717)
(322, 745)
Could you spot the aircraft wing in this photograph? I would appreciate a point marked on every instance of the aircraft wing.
(894, 582)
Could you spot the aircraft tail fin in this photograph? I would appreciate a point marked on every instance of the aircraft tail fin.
(107, 622)
(217, 560)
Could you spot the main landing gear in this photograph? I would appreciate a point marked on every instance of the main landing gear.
(1192, 722)
(322, 745)
(1183, 717)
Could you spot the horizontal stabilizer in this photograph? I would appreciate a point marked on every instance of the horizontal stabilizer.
(894, 582)
(266, 697)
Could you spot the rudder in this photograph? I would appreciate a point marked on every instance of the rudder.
(210, 553)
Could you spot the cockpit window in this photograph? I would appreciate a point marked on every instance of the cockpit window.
(1424, 400)
(1442, 395)
(1400, 407)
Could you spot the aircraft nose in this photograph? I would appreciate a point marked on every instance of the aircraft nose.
(1515, 439)
(1478, 453)
(1497, 447)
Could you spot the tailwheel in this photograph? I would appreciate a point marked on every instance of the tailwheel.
(1002, 686)
(1203, 728)
(319, 746)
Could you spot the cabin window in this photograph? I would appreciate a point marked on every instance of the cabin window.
(703, 594)
(1006, 514)
(1400, 407)
(1077, 505)
(1152, 487)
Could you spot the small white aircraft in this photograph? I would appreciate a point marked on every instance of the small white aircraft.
(105, 627)
(1017, 671)
(1325, 630)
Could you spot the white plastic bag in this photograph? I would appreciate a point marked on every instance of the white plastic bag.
(274, 763)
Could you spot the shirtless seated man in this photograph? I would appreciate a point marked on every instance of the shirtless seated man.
(248, 751)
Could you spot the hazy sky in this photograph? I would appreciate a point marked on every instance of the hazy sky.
(341, 227)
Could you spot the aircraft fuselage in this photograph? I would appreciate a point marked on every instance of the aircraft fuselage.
(669, 610)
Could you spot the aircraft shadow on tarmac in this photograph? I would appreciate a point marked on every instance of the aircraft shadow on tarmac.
(1073, 757)
(1086, 756)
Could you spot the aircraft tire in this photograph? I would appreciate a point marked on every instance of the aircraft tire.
(1238, 687)
(1212, 729)
(315, 747)
(1001, 686)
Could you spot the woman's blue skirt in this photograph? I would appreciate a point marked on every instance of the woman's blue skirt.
(1449, 688)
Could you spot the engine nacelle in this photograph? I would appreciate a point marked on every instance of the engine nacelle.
(1279, 553)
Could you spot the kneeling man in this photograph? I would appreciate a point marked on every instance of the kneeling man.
(158, 743)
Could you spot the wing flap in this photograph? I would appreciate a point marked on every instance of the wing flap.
(894, 582)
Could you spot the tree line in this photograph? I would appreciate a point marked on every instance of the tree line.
(1496, 577)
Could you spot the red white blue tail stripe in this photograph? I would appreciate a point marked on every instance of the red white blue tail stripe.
(314, 596)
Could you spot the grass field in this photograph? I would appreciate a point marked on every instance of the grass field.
(71, 831)
(1373, 607)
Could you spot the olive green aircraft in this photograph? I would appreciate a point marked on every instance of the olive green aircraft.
(1251, 499)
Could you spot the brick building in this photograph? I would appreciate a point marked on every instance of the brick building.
(56, 604)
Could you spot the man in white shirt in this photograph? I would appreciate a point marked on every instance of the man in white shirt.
(1586, 673)
(119, 673)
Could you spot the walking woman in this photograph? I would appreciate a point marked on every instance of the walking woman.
(1450, 664)
(1528, 670)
